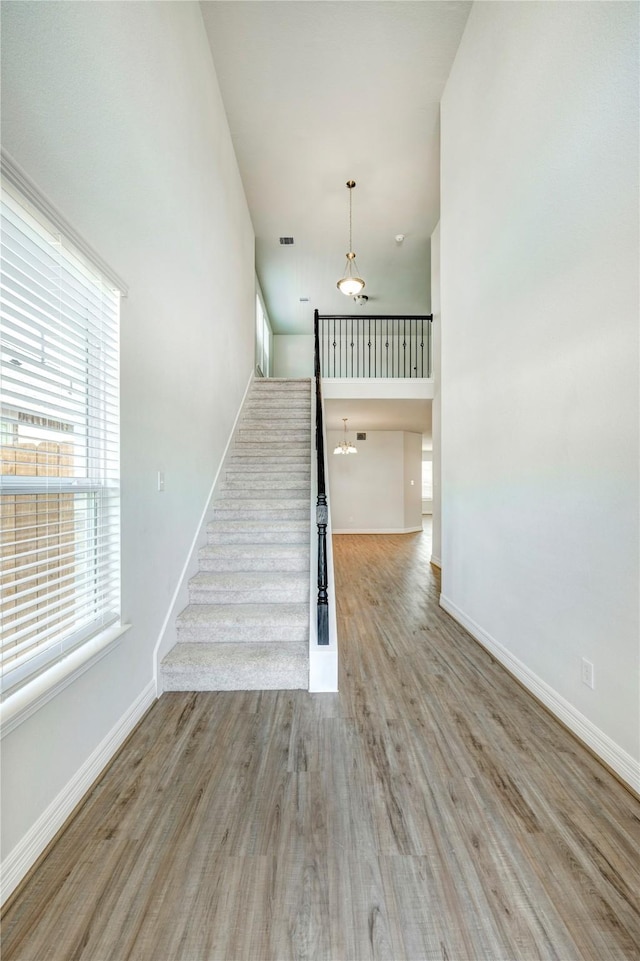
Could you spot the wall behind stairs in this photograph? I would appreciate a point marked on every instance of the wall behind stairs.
(540, 312)
(114, 110)
(293, 355)
(371, 491)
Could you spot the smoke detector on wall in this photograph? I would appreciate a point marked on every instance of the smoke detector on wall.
(360, 299)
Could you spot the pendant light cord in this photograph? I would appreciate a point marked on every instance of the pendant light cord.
(350, 184)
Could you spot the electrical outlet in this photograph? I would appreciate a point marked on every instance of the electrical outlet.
(160, 481)
(587, 673)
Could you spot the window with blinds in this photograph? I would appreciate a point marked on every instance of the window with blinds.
(59, 394)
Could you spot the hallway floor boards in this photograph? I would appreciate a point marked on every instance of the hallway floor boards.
(431, 810)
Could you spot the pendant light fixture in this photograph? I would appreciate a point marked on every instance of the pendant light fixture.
(344, 447)
(350, 284)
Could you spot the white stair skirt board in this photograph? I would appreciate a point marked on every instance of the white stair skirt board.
(22, 858)
(625, 766)
(246, 623)
(436, 561)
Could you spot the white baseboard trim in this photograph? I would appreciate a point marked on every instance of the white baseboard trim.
(380, 530)
(624, 765)
(179, 599)
(24, 855)
(436, 560)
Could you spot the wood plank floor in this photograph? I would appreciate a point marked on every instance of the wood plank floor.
(431, 810)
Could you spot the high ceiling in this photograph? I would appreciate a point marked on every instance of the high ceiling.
(318, 92)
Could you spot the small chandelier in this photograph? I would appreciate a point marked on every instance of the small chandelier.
(350, 284)
(344, 447)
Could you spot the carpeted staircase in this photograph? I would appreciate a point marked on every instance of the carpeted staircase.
(247, 623)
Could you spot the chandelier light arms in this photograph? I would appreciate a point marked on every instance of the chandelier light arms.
(345, 447)
(350, 284)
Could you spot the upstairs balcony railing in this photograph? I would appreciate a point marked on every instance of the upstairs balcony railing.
(353, 345)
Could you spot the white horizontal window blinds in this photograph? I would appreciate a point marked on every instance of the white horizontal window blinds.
(59, 394)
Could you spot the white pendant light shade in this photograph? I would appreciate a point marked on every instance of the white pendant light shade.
(350, 284)
(345, 446)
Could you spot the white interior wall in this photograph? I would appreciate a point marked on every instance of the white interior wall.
(293, 355)
(113, 109)
(427, 502)
(540, 355)
(412, 480)
(370, 491)
(436, 326)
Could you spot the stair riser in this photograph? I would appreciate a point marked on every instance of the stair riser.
(287, 403)
(239, 634)
(244, 622)
(261, 500)
(302, 400)
(276, 420)
(281, 383)
(285, 455)
(273, 443)
(260, 390)
(273, 492)
(292, 679)
(267, 479)
(279, 681)
(280, 412)
(274, 390)
(274, 424)
(255, 563)
(251, 537)
(244, 464)
(275, 430)
(256, 442)
(287, 594)
(278, 455)
(274, 553)
(261, 514)
(280, 402)
(250, 525)
(289, 479)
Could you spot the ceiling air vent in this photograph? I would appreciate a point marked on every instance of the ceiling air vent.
(286, 241)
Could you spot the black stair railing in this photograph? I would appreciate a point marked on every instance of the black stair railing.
(352, 345)
(322, 510)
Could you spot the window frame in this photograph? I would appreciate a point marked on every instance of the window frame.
(75, 651)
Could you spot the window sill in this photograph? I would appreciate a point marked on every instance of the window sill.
(34, 695)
